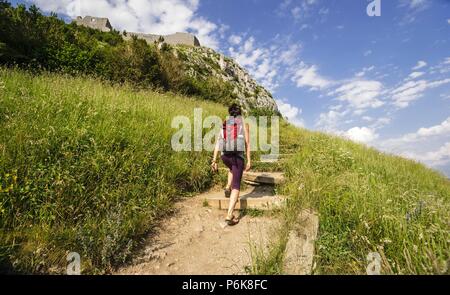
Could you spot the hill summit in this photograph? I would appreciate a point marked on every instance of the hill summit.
(200, 63)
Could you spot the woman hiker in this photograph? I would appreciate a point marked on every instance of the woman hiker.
(233, 141)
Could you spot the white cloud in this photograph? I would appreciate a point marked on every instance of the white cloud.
(360, 94)
(410, 91)
(422, 134)
(441, 68)
(223, 28)
(361, 134)
(307, 76)
(336, 107)
(415, 4)
(448, 21)
(296, 12)
(413, 8)
(441, 129)
(380, 123)
(364, 71)
(265, 62)
(420, 64)
(304, 27)
(246, 56)
(291, 112)
(367, 52)
(285, 4)
(146, 16)
(436, 158)
(429, 145)
(289, 56)
(235, 39)
(330, 120)
(300, 10)
(324, 11)
(258, 61)
(415, 75)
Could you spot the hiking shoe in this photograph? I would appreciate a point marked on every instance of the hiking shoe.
(227, 193)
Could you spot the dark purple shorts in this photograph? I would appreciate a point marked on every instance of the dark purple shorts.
(236, 165)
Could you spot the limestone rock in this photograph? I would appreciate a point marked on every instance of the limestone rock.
(203, 62)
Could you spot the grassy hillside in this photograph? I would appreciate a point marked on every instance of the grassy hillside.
(37, 42)
(367, 201)
(87, 167)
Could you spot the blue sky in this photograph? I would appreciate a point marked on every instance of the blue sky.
(383, 81)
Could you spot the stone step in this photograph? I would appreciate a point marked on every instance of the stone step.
(265, 177)
(252, 183)
(249, 200)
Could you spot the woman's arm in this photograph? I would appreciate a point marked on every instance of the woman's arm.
(215, 153)
(247, 147)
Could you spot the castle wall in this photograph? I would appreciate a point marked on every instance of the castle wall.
(103, 24)
(173, 39)
(150, 38)
(182, 38)
(97, 23)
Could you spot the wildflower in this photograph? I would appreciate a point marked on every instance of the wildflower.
(366, 225)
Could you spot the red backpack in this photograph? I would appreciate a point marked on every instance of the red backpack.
(232, 139)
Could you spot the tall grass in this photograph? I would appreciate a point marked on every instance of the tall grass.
(87, 167)
(367, 202)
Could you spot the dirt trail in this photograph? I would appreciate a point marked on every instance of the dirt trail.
(196, 240)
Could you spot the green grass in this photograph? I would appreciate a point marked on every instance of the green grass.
(252, 212)
(87, 167)
(367, 202)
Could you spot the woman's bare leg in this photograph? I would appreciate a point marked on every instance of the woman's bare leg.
(233, 200)
(230, 179)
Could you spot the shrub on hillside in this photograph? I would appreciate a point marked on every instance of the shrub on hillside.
(37, 42)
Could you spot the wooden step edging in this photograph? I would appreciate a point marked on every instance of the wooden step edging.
(271, 178)
(261, 203)
(299, 253)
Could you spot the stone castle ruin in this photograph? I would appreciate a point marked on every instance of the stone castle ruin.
(98, 23)
(103, 24)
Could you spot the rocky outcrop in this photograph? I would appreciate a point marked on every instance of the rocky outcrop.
(202, 62)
